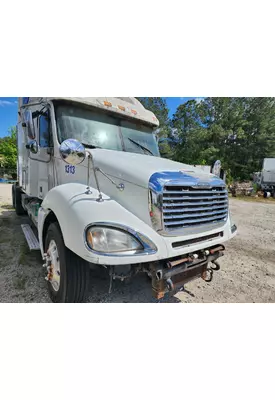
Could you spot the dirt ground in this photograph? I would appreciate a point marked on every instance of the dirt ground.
(247, 270)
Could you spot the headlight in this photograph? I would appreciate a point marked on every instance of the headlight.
(111, 240)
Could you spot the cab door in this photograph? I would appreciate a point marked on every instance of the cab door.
(43, 156)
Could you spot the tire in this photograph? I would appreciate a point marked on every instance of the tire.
(17, 201)
(74, 272)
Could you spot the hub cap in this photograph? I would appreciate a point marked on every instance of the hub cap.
(54, 269)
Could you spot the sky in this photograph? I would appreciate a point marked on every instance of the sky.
(8, 114)
(8, 110)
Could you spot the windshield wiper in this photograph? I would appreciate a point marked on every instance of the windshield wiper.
(140, 145)
(91, 146)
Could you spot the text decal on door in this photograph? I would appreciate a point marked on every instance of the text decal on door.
(69, 169)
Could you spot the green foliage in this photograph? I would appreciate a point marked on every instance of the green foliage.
(238, 131)
(8, 150)
(255, 187)
(159, 107)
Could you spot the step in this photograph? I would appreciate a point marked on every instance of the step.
(30, 237)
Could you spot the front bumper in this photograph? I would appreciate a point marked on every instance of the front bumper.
(169, 247)
(172, 275)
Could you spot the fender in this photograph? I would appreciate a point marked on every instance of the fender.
(75, 210)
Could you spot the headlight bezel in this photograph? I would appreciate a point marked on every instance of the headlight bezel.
(147, 246)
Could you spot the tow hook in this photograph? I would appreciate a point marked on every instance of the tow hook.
(217, 265)
(169, 284)
(207, 275)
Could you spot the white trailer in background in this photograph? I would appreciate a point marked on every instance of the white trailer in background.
(93, 183)
(266, 178)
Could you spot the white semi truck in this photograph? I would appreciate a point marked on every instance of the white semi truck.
(93, 183)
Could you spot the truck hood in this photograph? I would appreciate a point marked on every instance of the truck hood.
(138, 168)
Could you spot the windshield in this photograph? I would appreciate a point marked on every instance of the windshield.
(95, 129)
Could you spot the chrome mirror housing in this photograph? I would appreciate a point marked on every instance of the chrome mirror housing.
(72, 151)
(216, 169)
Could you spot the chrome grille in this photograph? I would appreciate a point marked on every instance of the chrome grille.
(187, 206)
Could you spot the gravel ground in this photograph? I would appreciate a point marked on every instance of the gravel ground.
(247, 270)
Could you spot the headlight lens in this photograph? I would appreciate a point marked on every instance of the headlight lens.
(110, 240)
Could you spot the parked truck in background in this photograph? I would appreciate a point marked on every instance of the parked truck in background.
(93, 183)
(265, 179)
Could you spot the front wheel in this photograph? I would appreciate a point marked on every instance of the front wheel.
(17, 201)
(68, 274)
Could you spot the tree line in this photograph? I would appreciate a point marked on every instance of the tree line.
(8, 150)
(239, 131)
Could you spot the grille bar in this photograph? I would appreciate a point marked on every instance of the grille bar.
(190, 206)
(187, 209)
(208, 192)
(194, 215)
(192, 197)
(201, 203)
(195, 221)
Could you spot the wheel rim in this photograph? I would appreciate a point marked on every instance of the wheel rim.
(54, 270)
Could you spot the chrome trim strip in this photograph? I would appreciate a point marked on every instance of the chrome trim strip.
(148, 246)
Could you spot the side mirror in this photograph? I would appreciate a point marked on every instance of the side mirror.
(216, 168)
(28, 123)
(72, 152)
(33, 146)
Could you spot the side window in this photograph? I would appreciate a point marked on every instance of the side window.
(44, 131)
(29, 124)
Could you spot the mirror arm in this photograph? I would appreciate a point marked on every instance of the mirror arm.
(119, 186)
(88, 175)
(91, 161)
(97, 169)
